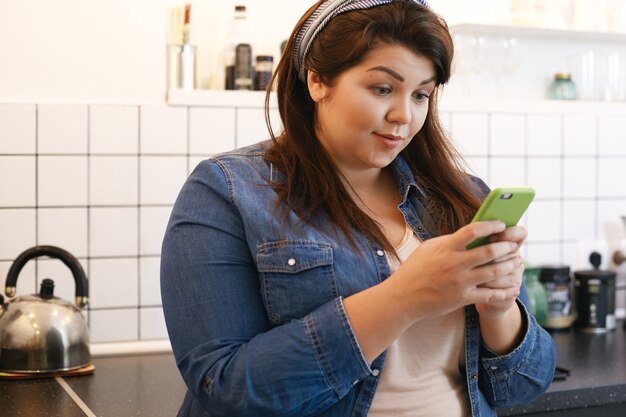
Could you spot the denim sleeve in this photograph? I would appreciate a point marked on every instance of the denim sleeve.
(229, 356)
(526, 372)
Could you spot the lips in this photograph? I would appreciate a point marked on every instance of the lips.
(388, 140)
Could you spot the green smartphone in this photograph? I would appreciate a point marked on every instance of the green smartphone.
(505, 204)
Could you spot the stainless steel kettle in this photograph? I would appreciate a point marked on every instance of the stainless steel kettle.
(40, 332)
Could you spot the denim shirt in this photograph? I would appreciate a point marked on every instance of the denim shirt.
(253, 301)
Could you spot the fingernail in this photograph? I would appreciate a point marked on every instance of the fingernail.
(501, 226)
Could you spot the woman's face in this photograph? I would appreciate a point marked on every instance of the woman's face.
(374, 109)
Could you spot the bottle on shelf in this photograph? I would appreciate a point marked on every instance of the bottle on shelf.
(263, 71)
(562, 87)
(238, 54)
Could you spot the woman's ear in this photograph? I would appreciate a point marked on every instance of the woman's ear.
(317, 89)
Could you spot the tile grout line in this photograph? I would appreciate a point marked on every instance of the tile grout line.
(80, 403)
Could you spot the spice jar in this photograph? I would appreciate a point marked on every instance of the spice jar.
(562, 87)
(263, 71)
(558, 286)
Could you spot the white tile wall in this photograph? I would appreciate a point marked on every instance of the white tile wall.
(17, 181)
(152, 229)
(113, 231)
(63, 227)
(211, 130)
(508, 135)
(152, 324)
(26, 283)
(18, 228)
(161, 178)
(100, 181)
(470, 132)
(544, 135)
(114, 282)
(163, 130)
(150, 287)
(251, 126)
(18, 126)
(113, 180)
(611, 135)
(544, 221)
(114, 325)
(507, 172)
(579, 177)
(611, 175)
(580, 134)
(114, 130)
(544, 175)
(579, 219)
(62, 129)
(62, 181)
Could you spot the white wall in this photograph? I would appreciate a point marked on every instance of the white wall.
(113, 51)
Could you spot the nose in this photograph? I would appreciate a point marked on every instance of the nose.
(400, 112)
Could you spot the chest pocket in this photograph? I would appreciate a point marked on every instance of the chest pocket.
(296, 277)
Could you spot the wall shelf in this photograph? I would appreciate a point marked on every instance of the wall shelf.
(535, 32)
(255, 99)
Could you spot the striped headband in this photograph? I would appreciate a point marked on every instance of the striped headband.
(328, 10)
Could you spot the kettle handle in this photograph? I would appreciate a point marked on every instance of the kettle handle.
(82, 285)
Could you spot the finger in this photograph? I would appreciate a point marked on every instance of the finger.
(468, 233)
(490, 252)
(489, 295)
(497, 275)
(513, 234)
(507, 257)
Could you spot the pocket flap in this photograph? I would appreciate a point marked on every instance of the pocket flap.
(293, 256)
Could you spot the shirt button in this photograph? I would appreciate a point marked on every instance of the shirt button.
(474, 376)
(291, 262)
(380, 252)
(493, 368)
(375, 372)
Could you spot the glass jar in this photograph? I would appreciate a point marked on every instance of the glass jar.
(562, 87)
(536, 295)
(263, 71)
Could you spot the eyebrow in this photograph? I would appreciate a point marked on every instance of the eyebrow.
(397, 76)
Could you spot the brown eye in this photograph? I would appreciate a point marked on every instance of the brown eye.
(381, 91)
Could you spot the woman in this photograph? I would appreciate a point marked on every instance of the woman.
(324, 273)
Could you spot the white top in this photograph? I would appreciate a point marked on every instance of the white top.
(423, 373)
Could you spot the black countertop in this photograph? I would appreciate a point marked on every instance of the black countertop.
(150, 385)
(121, 386)
(597, 365)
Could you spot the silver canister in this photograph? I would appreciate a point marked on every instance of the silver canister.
(181, 67)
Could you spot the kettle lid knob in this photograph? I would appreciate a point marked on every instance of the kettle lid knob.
(596, 259)
(47, 289)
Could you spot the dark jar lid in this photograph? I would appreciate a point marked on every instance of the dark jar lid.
(554, 273)
(595, 274)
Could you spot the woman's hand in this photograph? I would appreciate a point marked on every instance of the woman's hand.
(493, 309)
(439, 277)
(442, 275)
(501, 324)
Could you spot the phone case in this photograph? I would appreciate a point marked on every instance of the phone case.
(505, 204)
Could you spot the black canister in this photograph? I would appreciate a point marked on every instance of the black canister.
(595, 298)
(557, 282)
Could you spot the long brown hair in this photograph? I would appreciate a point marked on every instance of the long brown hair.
(313, 182)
